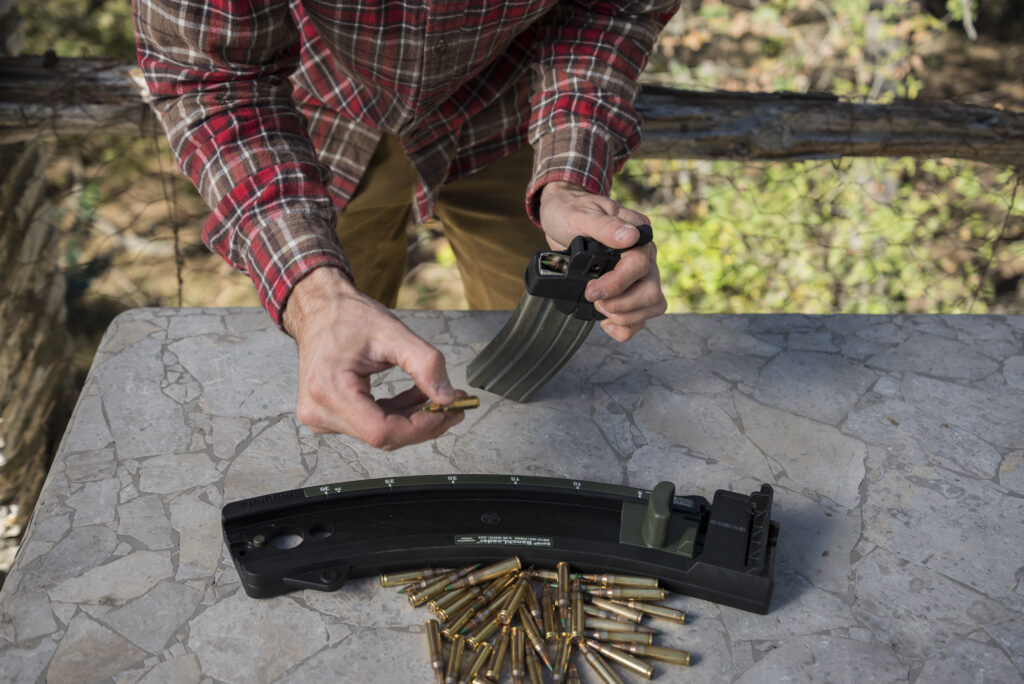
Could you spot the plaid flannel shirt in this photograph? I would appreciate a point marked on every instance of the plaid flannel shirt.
(274, 108)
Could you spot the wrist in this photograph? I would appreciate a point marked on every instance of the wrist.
(312, 296)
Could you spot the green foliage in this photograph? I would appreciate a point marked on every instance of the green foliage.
(860, 236)
(75, 28)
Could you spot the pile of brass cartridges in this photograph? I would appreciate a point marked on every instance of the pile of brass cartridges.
(492, 621)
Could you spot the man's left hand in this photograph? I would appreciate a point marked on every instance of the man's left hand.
(630, 294)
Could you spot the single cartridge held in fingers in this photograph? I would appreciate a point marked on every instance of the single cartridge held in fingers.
(463, 404)
(551, 322)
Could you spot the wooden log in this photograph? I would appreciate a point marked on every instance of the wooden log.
(790, 126)
(65, 97)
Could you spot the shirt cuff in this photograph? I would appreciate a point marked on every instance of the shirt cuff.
(577, 155)
(284, 252)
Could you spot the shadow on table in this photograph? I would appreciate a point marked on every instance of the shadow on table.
(805, 551)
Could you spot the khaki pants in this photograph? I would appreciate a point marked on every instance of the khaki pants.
(483, 216)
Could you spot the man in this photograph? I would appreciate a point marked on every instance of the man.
(471, 102)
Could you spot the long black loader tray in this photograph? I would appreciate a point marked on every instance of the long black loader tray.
(318, 537)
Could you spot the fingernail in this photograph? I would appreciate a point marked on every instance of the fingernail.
(595, 294)
(627, 233)
(445, 392)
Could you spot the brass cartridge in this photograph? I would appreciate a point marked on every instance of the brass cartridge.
(617, 626)
(436, 654)
(515, 600)
(547, 603)
(494, 589)
(638, 594)
(562, 591)
(603, 671)
(435, 588)
(533, 603)
(533, 667)
(631, 614)
(481, 680)
(668, 655)
(498, 658)
(483, 633)
(655, 610)
(574, 675)
(462, 404)
(396, 579)
(544, 576)
(463, 599)
(621, 581)
(619, 637)
(455, 626)
(562, 656)
(482, 653)
(518, 642)
(593, 611)
(533, 635)
(509, 565)
(451, 674)
(490, 611)
(622, 658)
(577, 623)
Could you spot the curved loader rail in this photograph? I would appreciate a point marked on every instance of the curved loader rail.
(318, 537)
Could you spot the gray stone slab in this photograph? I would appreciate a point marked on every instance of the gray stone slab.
(152, 620)
(894, 445)
(824, 387)
(241, 640)
(131, 399)
(146, 520)
(90, 652)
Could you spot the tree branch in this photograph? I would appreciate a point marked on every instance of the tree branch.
(84, 96)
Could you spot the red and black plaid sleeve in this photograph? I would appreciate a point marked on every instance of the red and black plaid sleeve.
(589, 55)
(218, 78)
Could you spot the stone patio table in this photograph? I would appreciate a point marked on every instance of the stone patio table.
(895, 445)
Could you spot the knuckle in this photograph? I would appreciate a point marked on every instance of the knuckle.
(378, 439)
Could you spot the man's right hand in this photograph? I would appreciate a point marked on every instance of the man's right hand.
(343, 338)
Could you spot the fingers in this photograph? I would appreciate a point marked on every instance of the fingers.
(634, 265)
(385, 424)
(426, 366)
(348, 340)
(567, 211)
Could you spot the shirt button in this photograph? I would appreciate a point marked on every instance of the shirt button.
(440, 47)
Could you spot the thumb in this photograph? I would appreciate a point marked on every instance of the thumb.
(612, 231)
(426, 365)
